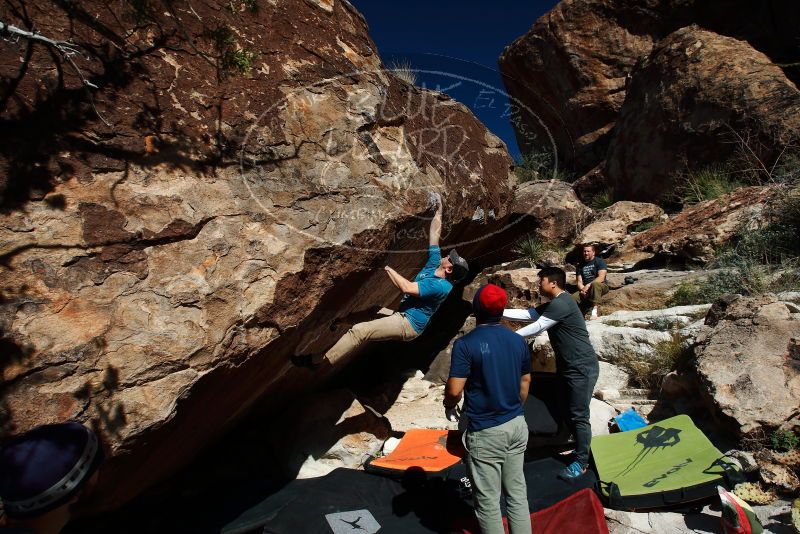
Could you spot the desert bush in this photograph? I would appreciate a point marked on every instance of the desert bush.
(783, 440)
(707, 184)
(533, 165)
(232, 58)
(787, 169)
(648, 371)
(402, 69)
(531, 249)
(662, 324)
(644, 226)
(540, 165)
(708, 289)
(603, 200)
(787, 209)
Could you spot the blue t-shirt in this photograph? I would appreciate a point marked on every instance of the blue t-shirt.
(432, 292)
(493, 359)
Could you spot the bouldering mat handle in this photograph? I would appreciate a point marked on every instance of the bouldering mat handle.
(731, 475)
(610, 494)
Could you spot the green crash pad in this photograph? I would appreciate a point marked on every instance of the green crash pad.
(666, 463)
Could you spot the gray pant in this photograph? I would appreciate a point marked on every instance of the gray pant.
(495, 460)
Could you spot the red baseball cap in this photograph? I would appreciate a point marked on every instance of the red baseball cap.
(490, 301)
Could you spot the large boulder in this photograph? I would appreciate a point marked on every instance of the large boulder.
(568, 83)
(747, 359)
(554, 207)
(617, 221)
(234, 186)
(697, 99)
(568, 76)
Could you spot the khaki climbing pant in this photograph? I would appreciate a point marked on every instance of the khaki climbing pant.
(596, 292)
(394, 327)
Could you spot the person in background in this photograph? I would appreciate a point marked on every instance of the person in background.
(591, 278)
(43, 472)
(493, 365)
(576, 361)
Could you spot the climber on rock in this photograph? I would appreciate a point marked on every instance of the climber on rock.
(591, 277)
(421, 299)
(576, 360)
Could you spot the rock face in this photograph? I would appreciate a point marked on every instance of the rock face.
(581, 64)
(561, 73)
(616, 222)
(747, 358)
(555, 208)
(650, 290)
(245, 171)
(695, 233)
(689, 103)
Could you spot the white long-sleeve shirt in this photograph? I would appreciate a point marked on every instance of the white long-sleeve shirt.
(539, 325)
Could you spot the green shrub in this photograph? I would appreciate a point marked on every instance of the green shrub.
(686, 294)
(603, 199)
(643, 226)
(540, 165)
(787, 280)
(783, 440)
(707, 184)
(533, 166)
(787, 169)
(231, 57)
(787, 210)
(662, 324)
(561, 174)
(709, 289)
(648, 371)
(531, 249)
(402, 69)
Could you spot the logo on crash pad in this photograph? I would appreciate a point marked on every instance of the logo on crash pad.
(652, 440)
(356, 521)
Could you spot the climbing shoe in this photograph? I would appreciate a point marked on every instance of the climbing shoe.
(304, 360)
(572, 471)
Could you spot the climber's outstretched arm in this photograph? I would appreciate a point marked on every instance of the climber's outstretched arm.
(436, 223)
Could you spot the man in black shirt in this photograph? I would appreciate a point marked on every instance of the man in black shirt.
(576, 360)
(591, 277)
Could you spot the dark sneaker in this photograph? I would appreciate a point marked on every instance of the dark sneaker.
(572, 471)
(304, 360)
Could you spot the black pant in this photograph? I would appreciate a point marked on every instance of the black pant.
(580, 381)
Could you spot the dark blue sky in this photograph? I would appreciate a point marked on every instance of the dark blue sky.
(460, 40)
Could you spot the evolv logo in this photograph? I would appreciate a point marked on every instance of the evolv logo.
(672, 470)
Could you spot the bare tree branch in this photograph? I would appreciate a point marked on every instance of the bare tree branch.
(65, 49)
